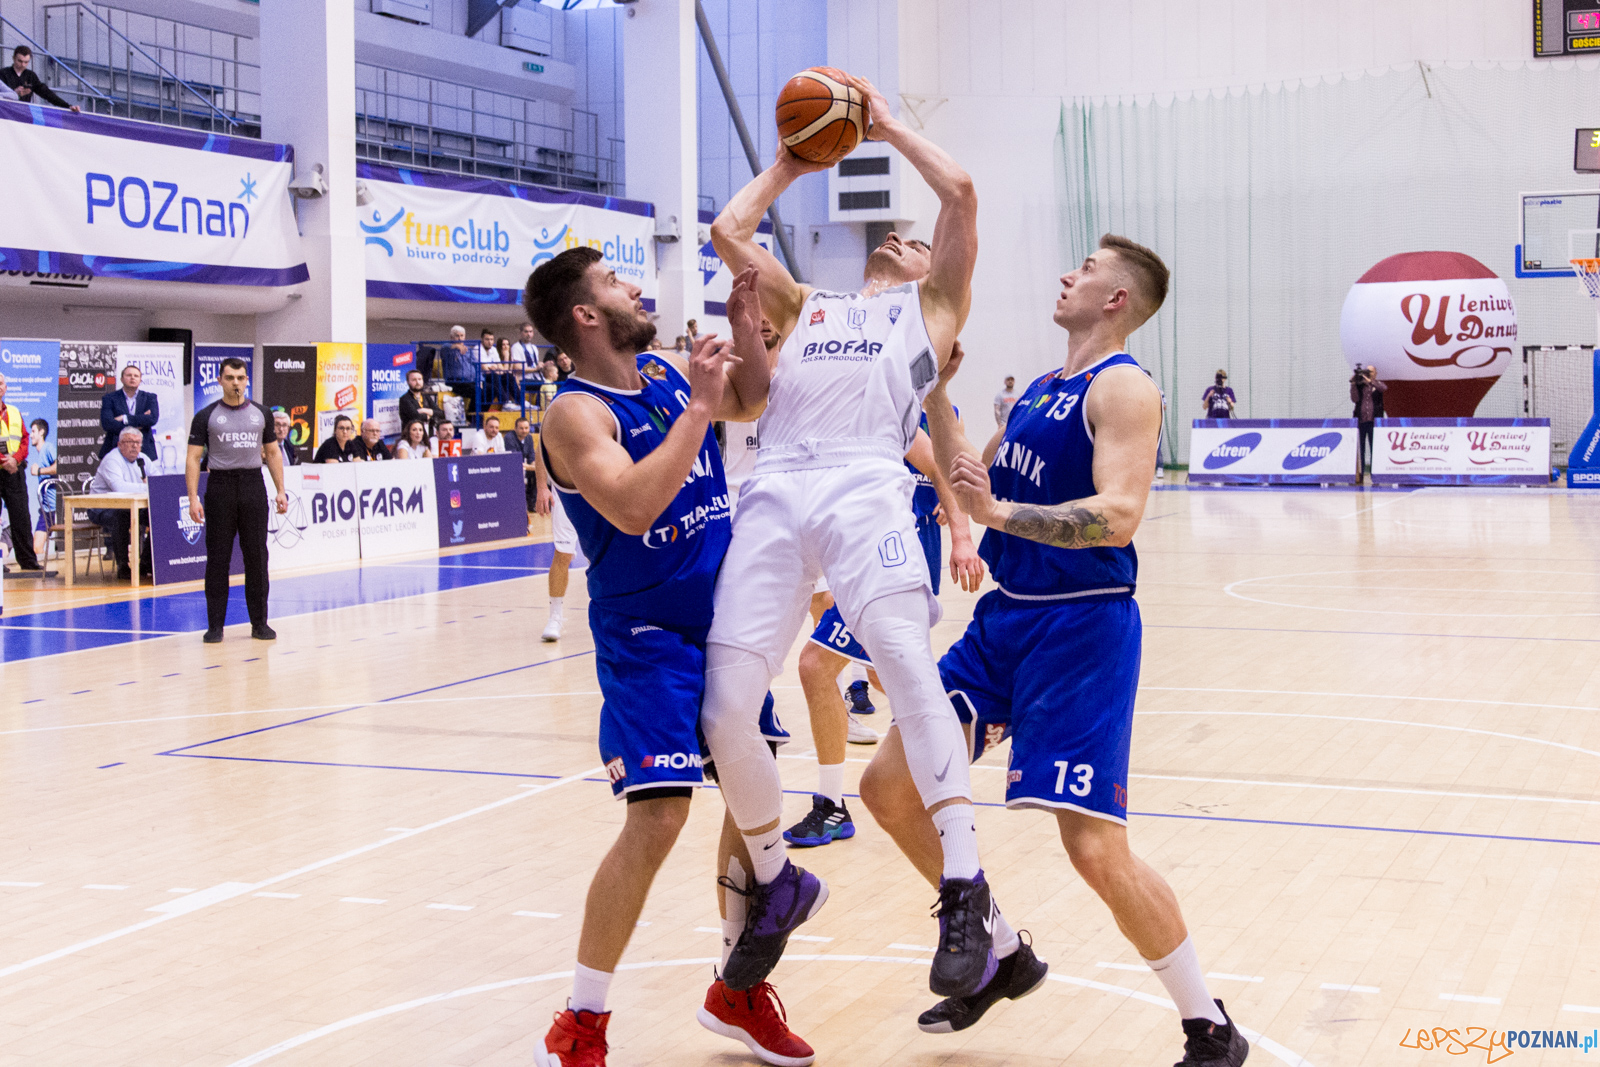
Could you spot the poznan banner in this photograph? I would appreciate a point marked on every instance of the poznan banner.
(112, 198)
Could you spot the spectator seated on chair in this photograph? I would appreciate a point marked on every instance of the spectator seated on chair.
(446, 443)
(122, 471)
(491, 440)
(369, 446)
(342, 447)
(282, 426)
(413, 444)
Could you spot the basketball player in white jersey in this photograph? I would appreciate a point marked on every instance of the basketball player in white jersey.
(1051, 657)
(830, 495)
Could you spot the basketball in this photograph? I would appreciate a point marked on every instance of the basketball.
(821, 118)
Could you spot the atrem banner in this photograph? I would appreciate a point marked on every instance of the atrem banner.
(1274, 451)
(474, 240)
(113, 198)
(1461, 452)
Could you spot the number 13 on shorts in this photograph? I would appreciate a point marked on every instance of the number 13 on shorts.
(1084, 773)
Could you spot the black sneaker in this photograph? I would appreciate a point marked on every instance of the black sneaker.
(826, 822)
(213, 637)
(776, 910)
(1208, 1045)
(965, 961)
(262, 632)
(859, 699)
(1016, 976)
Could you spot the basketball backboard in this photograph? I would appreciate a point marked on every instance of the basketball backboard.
(1545, 222)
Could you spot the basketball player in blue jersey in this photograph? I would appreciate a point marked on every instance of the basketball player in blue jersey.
(627, 443)
(1051, 658)
(830, 496)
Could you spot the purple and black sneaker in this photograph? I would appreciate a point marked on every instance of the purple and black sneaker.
(776, 910)
(965, 961)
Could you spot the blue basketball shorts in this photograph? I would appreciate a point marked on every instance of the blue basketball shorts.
(832, 634)
(1059, 679)
(652, 681)
(932, 547)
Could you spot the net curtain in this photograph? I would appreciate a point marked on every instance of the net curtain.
(1269, 202)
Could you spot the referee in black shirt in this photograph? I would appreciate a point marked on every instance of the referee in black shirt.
(238, 435)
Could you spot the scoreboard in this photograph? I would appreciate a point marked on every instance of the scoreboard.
(1565, 27)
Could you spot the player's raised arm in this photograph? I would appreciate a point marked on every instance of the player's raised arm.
(1124, 456)
(944, 428)
(733, 235)
(750, 374)
(584, 453)
(947, 291)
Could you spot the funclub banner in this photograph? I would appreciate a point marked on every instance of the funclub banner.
(474, 240)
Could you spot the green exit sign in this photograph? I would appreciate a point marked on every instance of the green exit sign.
(535, 68)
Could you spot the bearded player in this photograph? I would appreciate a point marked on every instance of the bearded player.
(627, 442)
(1051, 658)
(830, 495)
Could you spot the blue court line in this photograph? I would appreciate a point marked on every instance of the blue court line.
(56, 631)
(1369, 633)
(184, 751)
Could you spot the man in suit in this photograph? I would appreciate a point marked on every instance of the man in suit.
(122, 471)
(128, 406)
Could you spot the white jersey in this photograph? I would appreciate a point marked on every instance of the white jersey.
(851, 377)
(738, 454)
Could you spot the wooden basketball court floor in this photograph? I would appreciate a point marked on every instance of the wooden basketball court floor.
(1365, 756)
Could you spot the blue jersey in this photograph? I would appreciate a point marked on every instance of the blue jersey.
(1047, 457)
(924, 498)
(667, 576)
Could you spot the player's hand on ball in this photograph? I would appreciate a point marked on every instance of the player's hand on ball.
(965, 566)
(879, 117)
(706, 379)
(793, 163)
(969, 480)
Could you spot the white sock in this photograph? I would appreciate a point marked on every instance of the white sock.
(555, 604)
(767, 854)
(830, 781)
(736, 908)
(589, 988)
(1180, 973)
(730, 937)
(1006, 940)
(958, 836)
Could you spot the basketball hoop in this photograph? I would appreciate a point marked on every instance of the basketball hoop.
(1588, 272)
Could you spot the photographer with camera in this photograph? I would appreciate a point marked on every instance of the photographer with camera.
(1218, 399)
(1366, 393)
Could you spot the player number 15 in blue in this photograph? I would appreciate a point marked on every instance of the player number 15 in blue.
(1085, 774)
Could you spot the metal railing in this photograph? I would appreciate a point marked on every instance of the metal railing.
(412, 120)
(138, 84)
(51, 65)
(131, 65)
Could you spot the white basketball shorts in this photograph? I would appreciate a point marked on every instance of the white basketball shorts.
(563, 537)
(852, 524)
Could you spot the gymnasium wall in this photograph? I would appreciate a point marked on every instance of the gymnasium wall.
(1272, 152)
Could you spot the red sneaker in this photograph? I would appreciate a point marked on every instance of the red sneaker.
(576, 1039)
(757, 1018)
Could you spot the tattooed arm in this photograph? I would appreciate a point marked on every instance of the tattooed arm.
(1124, 409)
